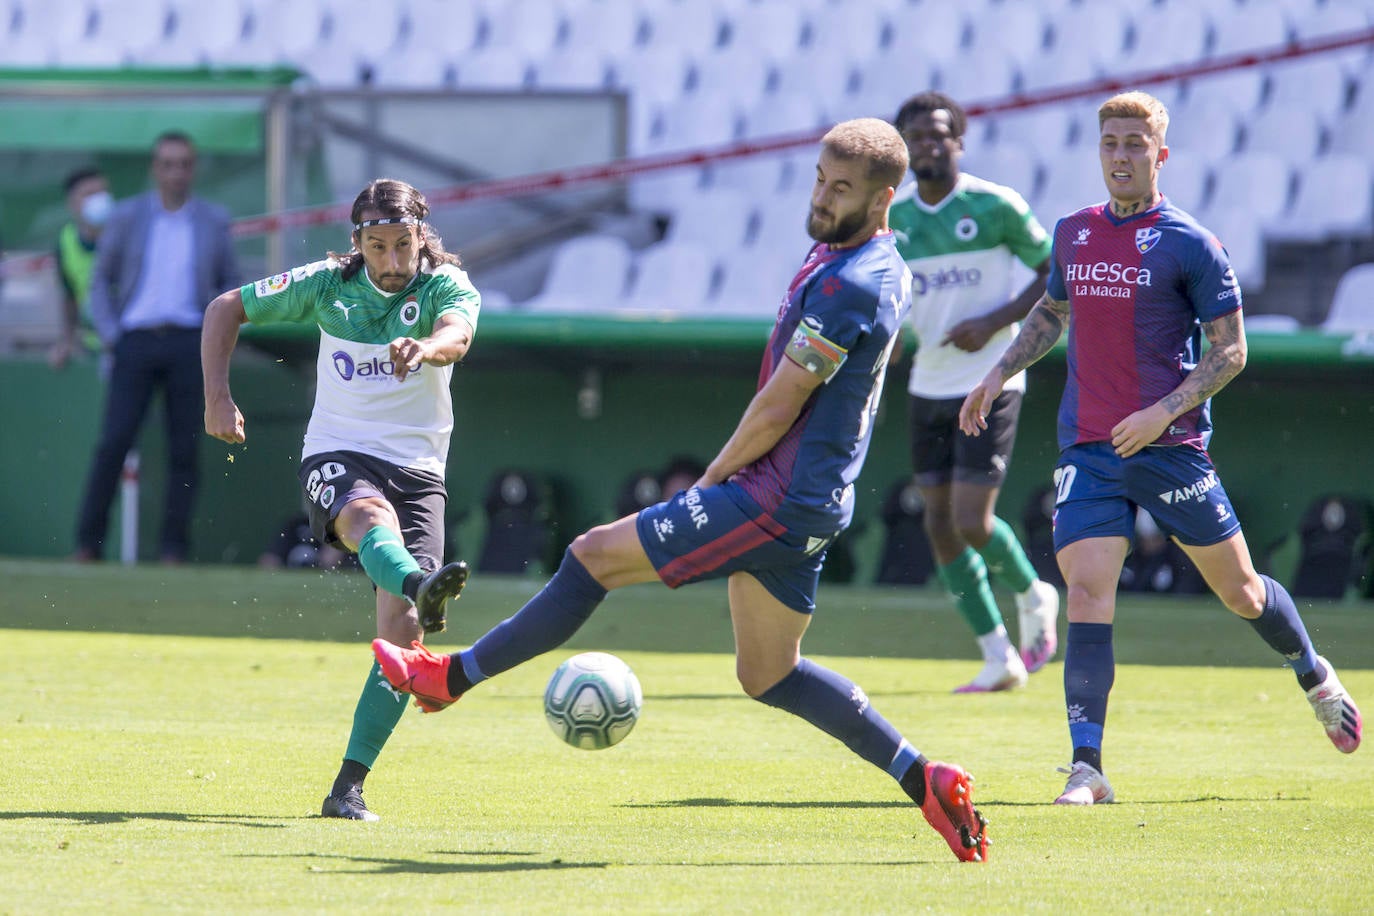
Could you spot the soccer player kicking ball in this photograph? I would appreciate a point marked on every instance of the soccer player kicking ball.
(1135, 280)
(771, 501)
(394, 314)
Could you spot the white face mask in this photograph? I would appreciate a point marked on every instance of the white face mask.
(96, 209)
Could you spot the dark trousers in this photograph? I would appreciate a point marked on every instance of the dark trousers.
(145, 361)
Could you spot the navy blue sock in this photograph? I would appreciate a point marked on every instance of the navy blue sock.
(546, 621)
(1089, 672)
(838, 707)
(1280, 626)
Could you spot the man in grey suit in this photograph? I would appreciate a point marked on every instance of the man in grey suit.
(163, 255)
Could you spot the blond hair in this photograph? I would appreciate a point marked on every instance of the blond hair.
(1136, 104)
(876, 142)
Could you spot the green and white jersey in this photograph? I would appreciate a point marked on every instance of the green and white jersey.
(359, 404)
(962, 253)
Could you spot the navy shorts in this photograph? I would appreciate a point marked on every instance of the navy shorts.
(941, 452)
(709, 534)
(332, 479)
(1097, 493)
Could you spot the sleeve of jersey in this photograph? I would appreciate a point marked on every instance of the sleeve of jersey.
(459, 296)
(1026, 238)
(1212, 284)
(831, 324)
(289, 296)
(1054, 286)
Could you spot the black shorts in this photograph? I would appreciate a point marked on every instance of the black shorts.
(333, 479)
(940, 452)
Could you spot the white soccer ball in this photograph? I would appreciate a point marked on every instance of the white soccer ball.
(593, 701)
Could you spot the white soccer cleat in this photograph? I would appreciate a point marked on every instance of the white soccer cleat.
(1337, 713)
(1038, 616)
(1086, 786)
(1006, 673)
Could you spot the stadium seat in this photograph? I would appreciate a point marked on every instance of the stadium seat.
(672, 276)
(938, 30)
(1014, 31)
(1166, 35)
(782, 114)
(1292, 132)
(1042, 72)
(849, 32)
(693, 28)
(587, 274)
(1352, 305)
(718, 218)
(887, 80)
(1070, 184)
(826, 78)
(1239, 232)
(529, 28)
(356, 29)
(1045, 128)
(1090, 25)
(753, 283)
(1336, 17)
(460, 24)
(1319, 83)
(421, 66)
(1242, 91)
(735, 72)
(211, 30)
(1334, 199)
(571, 67)
(771, 29)
(652, 76)
(757, 175)
(699, 119)
(134, 31)
(1186, 181)
(1262, 25)
(489, 68)
(607, 28)
(994, 78)
(1207, 130)
(1018, 169)
(1256, 183)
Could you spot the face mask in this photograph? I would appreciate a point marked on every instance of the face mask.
(96, 209)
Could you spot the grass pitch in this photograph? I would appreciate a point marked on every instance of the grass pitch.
(167, 736)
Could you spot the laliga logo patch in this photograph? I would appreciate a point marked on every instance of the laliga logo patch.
(410, 312)
(966, 229)
(1145, 239)
(272, 285)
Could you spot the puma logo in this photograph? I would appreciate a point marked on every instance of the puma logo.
(344, 308)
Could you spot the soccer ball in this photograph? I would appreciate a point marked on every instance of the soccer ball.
(592, 701)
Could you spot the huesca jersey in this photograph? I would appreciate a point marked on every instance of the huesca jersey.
(855, 299)
(962, 253)
(359, 404)
(1137, 290)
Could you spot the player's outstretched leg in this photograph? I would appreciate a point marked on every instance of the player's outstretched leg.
(945, 793)
(1335, 710)
(435, 590)
(1086, 786)
(418, 672)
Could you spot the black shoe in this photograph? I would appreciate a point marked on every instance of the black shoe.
(434, 591)
(349, 805)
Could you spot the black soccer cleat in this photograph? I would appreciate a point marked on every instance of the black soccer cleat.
(435, 590)
(349, 806)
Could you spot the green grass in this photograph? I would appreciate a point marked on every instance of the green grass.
(167, 736)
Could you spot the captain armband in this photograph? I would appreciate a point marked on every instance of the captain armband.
(814, 353)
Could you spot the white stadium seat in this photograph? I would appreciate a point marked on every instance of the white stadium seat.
(587, 273)
(1352, 305)
(671, 276)
(1334, 199)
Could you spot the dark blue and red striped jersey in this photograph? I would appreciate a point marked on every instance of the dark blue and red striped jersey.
(855, 299)
(1138, 289)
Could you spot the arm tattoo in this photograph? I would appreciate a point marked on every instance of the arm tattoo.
(1222, 362)
(1043, 326)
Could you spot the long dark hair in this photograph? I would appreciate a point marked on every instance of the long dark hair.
(391, 198)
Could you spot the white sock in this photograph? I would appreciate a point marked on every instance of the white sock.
(995, 644)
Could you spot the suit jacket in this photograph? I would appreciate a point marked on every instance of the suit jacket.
(119, 257)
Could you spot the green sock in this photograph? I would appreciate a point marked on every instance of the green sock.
(385, 560)
(1006, 560)
(379, 709)
(967, 580)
